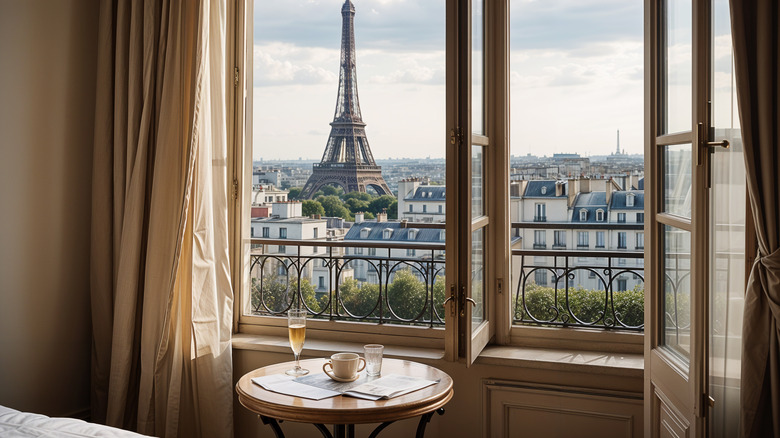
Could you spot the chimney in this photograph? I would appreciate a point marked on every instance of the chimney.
(286, 210)
(381, 217)
(359, 217)
(609, 190)
(572, 188)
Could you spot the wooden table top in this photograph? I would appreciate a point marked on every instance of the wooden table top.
(341, 409)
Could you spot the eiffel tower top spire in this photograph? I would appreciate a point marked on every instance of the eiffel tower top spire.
(347, 160)
(347, 103)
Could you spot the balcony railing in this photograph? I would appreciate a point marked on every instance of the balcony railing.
(540, 218)
(361, 281)
(580, 294)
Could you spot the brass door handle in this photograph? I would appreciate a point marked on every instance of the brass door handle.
(470, 300)
(714, 144)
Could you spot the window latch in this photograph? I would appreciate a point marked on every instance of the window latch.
(456, 137)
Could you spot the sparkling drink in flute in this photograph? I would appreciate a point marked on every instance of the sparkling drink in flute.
(296, 327)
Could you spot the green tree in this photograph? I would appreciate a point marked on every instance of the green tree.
(356, 205)
(359, 299)
(294, 193)
(332, 190)
(406, 294)
(382, 203)
(278, 292)
(334, 207)
(360, 196)
(310, 207)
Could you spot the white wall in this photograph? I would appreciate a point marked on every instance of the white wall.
(47, 81)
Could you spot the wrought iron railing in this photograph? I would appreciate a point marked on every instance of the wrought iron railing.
(579, 289)
(380, 282)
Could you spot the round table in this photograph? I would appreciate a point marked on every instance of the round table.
(343, 411)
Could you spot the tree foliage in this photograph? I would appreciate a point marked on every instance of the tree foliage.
(334, 207)
(278, 292)
(589, 306)
(294, 193)
(384, 203)
(310, 207)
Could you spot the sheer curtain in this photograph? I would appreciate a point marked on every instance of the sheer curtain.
(756, 38)
(161, 292)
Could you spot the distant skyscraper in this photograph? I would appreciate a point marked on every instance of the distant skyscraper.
(617, 152)
(347, 160)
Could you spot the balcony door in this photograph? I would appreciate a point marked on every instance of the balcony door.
(681, 146)
(477, 174)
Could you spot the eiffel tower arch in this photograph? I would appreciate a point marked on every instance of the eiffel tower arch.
(347, 161)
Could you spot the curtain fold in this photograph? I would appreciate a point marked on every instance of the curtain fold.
(160, 274)
(756, 40)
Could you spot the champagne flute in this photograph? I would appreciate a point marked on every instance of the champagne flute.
(296, 327)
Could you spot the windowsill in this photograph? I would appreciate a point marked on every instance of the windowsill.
(561, 360)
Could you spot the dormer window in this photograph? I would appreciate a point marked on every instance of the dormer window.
(583, 215)
(422, 194)
(412, 234)
(600, 215)
(364, 233)
(442, 234)
(544, 190)
(430, 194)
(387, 233)
(630, 200)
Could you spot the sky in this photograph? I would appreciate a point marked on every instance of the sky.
(576, 76)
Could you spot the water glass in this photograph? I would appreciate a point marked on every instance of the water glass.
(373, 354)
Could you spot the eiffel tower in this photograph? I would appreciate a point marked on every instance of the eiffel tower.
(347, 160)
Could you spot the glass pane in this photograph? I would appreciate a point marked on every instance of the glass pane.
(477, 186)
(727, 237)
(477, 67)
(477, 276)
(676, 305)
(678, 73)
(677, 179)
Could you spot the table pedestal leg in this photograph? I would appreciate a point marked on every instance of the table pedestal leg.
(426, 418)
(343, 431)
(274, 425)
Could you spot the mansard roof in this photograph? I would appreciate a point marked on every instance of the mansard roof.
(541, 189)
(428, 193)
(618, 201)
(400, 234)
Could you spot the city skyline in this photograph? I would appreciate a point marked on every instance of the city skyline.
(582, 71)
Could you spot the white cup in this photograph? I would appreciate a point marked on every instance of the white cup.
(344, 366)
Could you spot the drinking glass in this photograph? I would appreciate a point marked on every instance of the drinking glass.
(296, 327)
(373, 354)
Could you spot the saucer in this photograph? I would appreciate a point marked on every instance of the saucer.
(339, 379)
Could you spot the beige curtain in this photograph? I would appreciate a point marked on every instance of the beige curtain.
(161, 292)
(756, 40)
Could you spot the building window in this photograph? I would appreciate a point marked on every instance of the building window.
(411, 208)
(582, 239)
(640, 240)
(621, 218)
(540, 277)
(440, 209)
(540, 239)
(544, 190)
(321, 283)
(540, 214)
(412, 234)
(387, 233)
(359, 251)
(410, 252)
(253, 231)
(622, 286)
(640, 218)
(316, 233)
(560, 239)
(599, 239)
(622, 240)
(425, 208)
(630, 200)
(283, 249)
(282, 233)
(266, 232)
(364, 233)
(372, 251)
(600, 215)
(583, 215)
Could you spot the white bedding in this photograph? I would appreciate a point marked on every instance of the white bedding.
(15, 424)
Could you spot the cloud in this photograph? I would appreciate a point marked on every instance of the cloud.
(286, 63)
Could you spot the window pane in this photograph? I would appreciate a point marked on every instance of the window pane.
(678, 58)
(676, 324)
(677, 179)
(477, 187)
(477, 67)
(477, 276)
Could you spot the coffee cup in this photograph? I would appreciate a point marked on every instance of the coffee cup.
(344, 366)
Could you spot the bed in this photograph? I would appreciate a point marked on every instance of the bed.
(15, 424)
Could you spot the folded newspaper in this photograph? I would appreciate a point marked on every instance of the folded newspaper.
(319, 386)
